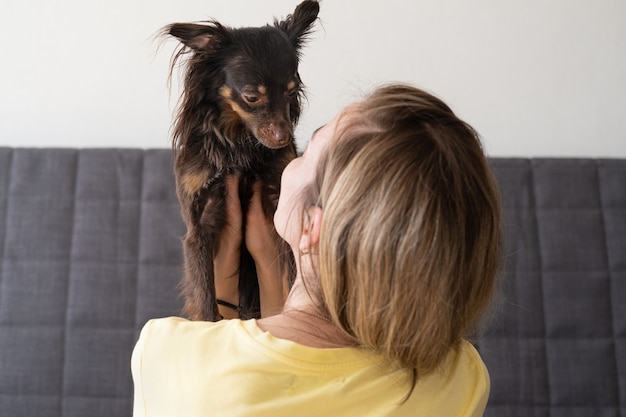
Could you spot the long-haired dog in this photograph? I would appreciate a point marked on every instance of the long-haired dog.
(241, 98)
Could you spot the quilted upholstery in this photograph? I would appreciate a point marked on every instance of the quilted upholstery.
(90, 249)
(557, 344)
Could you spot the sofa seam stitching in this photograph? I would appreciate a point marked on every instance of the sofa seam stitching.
(535, 208)
(6, 220)
(69, 284)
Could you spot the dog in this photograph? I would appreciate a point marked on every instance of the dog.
(240, 101)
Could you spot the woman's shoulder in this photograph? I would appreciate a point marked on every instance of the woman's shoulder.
(174, 323)
(466, 367)
(177, 332)
(176, 328)
(181, 340)
(459, 387)
(472, 364)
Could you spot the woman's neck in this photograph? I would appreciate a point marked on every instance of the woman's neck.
(301, 321)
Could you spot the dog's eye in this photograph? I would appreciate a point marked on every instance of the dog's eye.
(292, 93)
(250, 98)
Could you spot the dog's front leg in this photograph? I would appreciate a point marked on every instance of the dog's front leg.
(198, 284)
(199, 247)
(201, 198)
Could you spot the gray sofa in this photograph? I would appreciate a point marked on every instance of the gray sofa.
(90, 249)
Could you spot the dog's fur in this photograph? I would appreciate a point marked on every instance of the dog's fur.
(240, 101)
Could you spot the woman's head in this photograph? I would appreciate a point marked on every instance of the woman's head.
(296, 178)
(409, 242)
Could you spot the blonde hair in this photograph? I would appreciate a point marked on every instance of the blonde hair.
(410, 237)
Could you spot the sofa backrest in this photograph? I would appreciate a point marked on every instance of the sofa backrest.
(90, 250)
(556, 344)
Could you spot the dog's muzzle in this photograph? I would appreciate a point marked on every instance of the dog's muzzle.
(276, 136)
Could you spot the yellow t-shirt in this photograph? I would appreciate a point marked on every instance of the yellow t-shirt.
(232, 368)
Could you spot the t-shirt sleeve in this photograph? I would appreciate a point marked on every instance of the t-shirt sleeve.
(483, 387)
(139, 405)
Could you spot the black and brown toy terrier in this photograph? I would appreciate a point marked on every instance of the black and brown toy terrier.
(240, 101)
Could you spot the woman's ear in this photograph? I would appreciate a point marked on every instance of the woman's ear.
(310, 238)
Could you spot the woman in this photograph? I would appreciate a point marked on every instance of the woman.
(394, 220)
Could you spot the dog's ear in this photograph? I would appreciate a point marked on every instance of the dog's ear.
(206, 38)
(299, 25)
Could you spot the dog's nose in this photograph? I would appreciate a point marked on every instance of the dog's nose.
(275, 135)
(281, 133)
(281, 136)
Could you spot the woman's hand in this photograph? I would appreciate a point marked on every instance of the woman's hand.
(261, 241)
(226, 262)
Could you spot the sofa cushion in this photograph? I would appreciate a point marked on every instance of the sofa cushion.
(90, 250)
(556, 343)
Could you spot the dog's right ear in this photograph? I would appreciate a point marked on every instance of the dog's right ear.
(201, 38)
(299, 25)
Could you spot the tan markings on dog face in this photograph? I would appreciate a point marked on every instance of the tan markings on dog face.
(262, 90)
(226, 92)
(291, 85)
(237, 109)
(192, 182)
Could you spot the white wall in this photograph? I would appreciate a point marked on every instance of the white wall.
(535, 77)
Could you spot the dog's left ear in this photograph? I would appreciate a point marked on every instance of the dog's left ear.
(299, 25)
(207, 38)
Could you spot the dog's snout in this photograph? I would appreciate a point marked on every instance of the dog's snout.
(275, 135)
(282, 136)
(280, 133)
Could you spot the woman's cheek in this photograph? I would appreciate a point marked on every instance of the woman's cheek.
(287, 219)
(286, 201)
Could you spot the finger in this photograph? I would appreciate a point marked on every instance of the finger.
(232, 190)
(256, 194)
(233, 205)
(255, 211)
